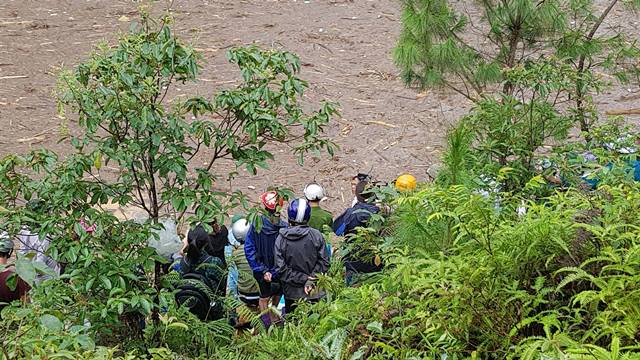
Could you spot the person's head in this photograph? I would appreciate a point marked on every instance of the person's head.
(363, 192)
(299, 212)
(271, 201)
(406, 183)
(215, 227)
(198, 240)
(314, 193)
(240, 228)
(6, 247)
(358, 179)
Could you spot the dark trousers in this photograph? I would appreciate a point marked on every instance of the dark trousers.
(290, 305)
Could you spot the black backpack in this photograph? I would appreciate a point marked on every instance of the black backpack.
(197, 293)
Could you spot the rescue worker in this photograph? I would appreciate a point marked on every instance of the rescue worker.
(248, 290)
(232, 282)
(36, 246)
(357, 261)
(259, 250)
(360, 177)
(300, 256)
(218, 240)
(320, 217)
(200, 270)
(198, 260)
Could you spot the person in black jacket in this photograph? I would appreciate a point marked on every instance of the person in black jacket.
(218, 240)
(300, 256)
(357, 260)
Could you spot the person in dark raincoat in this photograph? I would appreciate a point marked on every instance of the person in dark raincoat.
(300, 256)
(357, 260)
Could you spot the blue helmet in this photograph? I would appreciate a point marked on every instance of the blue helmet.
(299, 211)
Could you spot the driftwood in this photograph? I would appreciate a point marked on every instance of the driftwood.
(380, 123)
(633, 111)
(629, 97)
(13, 77)
(3, 23)
(32, 140)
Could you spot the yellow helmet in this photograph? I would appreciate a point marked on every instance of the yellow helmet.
(406, 182)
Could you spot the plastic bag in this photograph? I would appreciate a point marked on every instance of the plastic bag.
(168, 241)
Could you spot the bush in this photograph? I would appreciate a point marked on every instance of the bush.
(558, 282)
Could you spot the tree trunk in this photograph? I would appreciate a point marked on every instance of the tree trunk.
(510, 61)
(585, 125)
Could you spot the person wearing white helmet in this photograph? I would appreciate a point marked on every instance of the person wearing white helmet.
(248, 290)
(314, 193)
(321, 219)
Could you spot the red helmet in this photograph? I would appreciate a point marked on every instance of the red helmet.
(271, 200)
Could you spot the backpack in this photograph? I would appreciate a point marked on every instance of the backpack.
(197, 293)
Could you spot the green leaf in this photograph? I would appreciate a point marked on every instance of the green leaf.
(26, 270)
(51, 323)
(89, 284)
(106, 282)
(86, 342)
(146, 305)
(375, 327)
(12, 282)
(42, 268)
(178, 325)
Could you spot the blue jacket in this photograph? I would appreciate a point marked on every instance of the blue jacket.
(356, 216)
(631, 167)
(357, 260)
(259, 247)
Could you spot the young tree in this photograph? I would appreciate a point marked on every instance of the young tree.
(119, 96)
(442, 46)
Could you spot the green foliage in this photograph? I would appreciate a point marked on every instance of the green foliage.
(442, 45)
(478, 281)
(468, 274)
(434, 46)
(119, 98)
(181, 332)
(110, 288)
(458, 159)
(507, 133)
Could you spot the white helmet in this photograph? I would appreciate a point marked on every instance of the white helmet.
(240, 229)
(313, 192)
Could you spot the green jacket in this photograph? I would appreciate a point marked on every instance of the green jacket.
(320, 218)
(246, 282)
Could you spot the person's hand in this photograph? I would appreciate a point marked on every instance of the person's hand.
(309, 285)
(267, 277)
(185, 244)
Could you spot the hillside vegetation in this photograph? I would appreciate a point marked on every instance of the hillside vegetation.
(525, 246)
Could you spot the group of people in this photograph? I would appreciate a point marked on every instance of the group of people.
(257, 262)
(272, 258)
